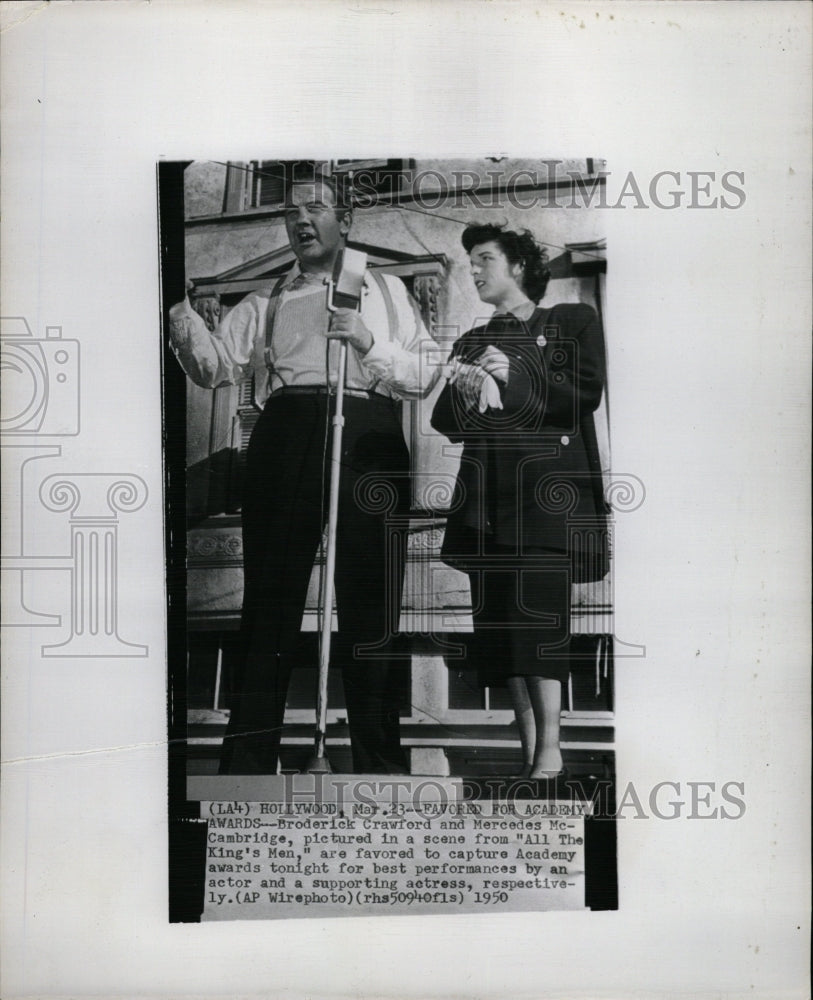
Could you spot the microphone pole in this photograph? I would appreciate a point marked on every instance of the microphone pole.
(344, 291)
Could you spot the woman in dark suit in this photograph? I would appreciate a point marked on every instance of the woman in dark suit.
(528, 517)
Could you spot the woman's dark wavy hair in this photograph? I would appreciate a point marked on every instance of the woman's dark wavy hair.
(519, 248)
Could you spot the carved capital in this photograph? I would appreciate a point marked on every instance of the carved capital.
(207, 306)
(426, 288)
(425, 540)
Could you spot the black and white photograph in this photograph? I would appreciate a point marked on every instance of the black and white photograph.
(428, 440)
(405, 499)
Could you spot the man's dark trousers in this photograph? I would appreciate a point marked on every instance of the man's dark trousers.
(284, 509)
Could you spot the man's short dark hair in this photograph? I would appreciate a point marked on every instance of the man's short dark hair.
(336, 182)
(519, 248)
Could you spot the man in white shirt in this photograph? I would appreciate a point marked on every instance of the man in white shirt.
(287, 338)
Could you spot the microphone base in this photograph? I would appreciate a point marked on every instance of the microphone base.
(319, 765)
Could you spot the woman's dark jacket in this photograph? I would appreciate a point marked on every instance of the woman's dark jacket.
(530, 475)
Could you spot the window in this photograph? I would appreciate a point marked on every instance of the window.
(262, 183)
(270, 178)
(384, 178)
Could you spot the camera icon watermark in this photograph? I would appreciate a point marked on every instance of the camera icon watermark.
(40, 381)
(40, 400)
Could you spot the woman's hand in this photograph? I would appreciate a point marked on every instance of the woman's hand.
(495, 363)
(468, 379)
(476, 386)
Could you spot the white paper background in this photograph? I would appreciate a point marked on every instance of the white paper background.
(709, 318)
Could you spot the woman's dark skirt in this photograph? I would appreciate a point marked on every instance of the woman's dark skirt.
(521, 614)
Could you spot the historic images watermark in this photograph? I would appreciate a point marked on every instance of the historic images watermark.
(427, 797)
(41, 407)
(525, 189)
(552, 185)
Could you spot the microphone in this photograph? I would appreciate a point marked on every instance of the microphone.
(344, 287)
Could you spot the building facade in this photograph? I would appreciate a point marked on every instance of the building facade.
(408, 218)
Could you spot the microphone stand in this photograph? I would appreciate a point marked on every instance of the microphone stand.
(356, 261)
(319, 763)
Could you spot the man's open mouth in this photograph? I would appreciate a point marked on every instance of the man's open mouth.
(305, 238)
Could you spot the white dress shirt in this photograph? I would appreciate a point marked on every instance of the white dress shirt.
(402, 363)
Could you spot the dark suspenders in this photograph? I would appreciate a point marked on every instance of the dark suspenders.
(273, 302)
(271, 312)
